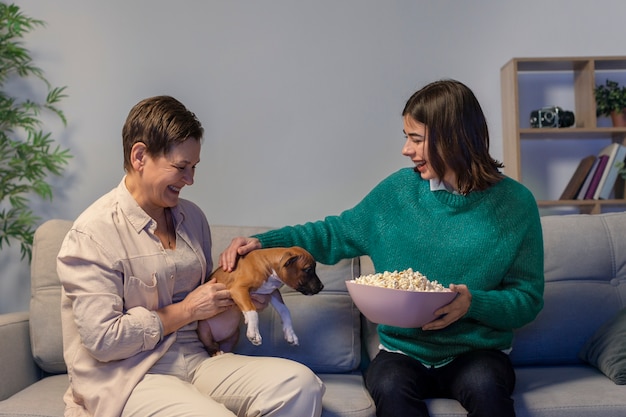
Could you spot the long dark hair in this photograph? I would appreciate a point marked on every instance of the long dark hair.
(457, 134)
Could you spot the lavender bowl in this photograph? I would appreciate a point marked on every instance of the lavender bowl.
(399, 308)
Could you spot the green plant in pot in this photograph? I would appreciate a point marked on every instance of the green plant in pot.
(611, 101)
(27, 152)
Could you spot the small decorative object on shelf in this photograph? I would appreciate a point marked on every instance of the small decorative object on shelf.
(611, 102)
(551, 116)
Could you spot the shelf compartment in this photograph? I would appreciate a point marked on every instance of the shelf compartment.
(579, 72)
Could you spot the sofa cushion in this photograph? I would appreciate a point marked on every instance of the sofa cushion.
(327, 325)
(346, 396)
(45, 302)
(19, 370)
(568, 390)
(606, 349)
(44, 398)
(585, 274)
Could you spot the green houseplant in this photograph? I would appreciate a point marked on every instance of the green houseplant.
(610, 100)
(27, 152)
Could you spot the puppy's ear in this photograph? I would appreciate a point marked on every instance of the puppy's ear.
(290, 261)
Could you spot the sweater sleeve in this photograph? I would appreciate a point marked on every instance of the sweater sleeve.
(342, 236)
(328, 240)
(519, 298)
(96, 290)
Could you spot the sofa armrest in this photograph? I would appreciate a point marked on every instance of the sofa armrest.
(16, 360)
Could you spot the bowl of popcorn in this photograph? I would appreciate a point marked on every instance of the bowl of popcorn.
(401, 299)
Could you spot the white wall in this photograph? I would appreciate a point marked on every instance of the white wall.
(300, 100)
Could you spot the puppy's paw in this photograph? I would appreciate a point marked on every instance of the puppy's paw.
(252, 330)
(290, 337)
(254, 338)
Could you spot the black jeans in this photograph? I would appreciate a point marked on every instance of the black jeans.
(482, 381)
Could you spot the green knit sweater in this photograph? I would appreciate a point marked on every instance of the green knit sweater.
(489, 240)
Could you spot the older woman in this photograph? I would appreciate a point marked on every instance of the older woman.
(132, 269)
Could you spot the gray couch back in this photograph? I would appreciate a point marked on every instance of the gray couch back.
(585, 273)
(585, 267)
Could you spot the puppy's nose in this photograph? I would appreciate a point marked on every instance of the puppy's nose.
(311, 287)
(316, 286)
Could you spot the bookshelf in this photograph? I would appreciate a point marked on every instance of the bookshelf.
(579, 75)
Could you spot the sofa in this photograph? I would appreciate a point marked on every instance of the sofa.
(569, 362)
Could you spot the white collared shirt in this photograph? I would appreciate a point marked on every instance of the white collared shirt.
(437, 185)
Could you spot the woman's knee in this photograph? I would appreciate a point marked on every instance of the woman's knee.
(489, 371)
(398, 385)
(296, 377)
(390, 374)
(293, 390)
(484, 383)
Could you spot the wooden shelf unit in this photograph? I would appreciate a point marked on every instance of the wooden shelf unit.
(583, 71)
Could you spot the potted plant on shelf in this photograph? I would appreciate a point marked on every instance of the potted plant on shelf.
(611, 102)
(27, 152)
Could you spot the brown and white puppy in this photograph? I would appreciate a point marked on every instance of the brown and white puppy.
(262, 271)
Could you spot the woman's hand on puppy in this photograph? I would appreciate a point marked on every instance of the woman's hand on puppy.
(208, 300)
(239, 246)
(205, 301)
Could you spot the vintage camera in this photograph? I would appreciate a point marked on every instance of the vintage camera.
(551, 116)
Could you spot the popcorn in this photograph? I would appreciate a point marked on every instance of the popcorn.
(403, 280)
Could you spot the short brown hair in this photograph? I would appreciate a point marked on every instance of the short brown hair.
(159, 122)
(458, 136)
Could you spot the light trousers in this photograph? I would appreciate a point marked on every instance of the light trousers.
(225, 386)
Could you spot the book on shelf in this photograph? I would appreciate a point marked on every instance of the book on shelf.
(606, 188)
(578, 179)
(585, 187)
(597, 175)
(610, 151)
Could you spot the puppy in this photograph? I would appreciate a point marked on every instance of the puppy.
(262, 271)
